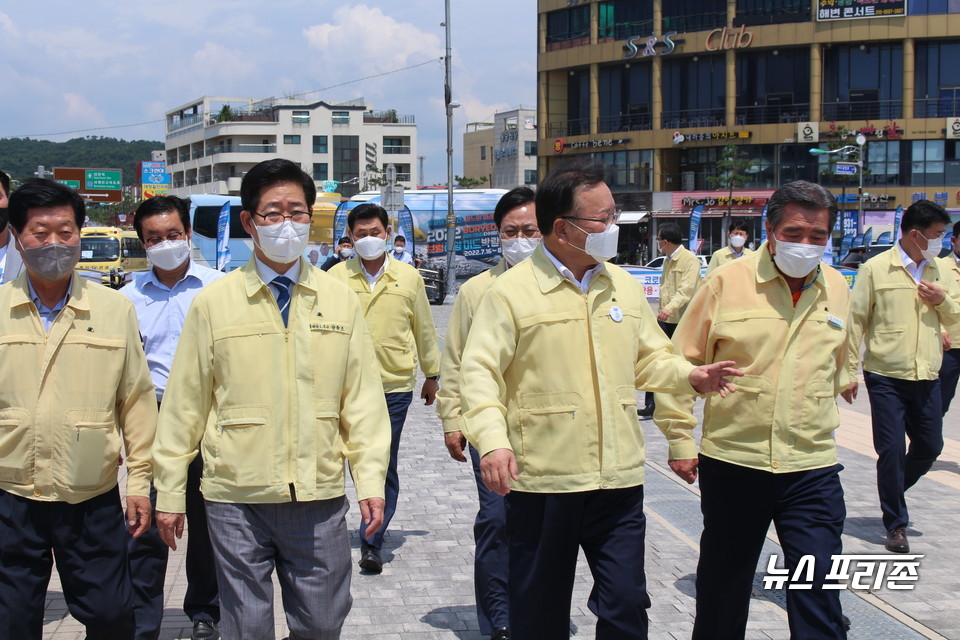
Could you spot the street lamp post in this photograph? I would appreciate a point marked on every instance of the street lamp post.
(847, 151)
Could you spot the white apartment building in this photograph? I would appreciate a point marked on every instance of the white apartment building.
(213, 141)
(505, 151)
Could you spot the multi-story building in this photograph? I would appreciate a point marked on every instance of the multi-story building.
(659, 88)
(504, 151)
(213, 141)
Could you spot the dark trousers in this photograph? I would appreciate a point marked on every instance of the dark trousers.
(90, 542)
(148, 567)
(738, 504)
(546, 531)
(899, 408)
(668, 328)
(202, 599)
(397, 405)
(949, 374)
(490, 568)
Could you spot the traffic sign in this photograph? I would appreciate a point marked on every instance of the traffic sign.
(391, 197)
(95, 185)
(845, 169)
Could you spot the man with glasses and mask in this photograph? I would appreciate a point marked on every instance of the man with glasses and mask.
(549, 375)
(516, 220)
(767, 452)
(737, 236)
(162, 297)
(395, 305)
(10, 263)
(678, 281)
(275, 382)
(74, 386)
(901, 298)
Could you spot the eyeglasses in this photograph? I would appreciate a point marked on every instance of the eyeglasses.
(518, 232)
(940, 236)
(275, 217)
(173, 236)
(609, 220)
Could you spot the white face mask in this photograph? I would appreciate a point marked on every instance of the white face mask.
(399, 250)
(370, 248)
(737, 241)
(283, 243)
(169, 254)
(933, 248)
(601, 246)
(797, 260)
(345, 254)
(518, 249)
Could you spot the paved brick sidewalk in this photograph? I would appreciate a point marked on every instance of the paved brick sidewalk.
(426, 589)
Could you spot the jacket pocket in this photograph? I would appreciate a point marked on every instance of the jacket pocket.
(92, 450)
(245, 447)
(820, 405)
(629, 435)
(16, 446)
(741, 417)
(551, 434)
(329, 444)
(395, 357)
(886, 342)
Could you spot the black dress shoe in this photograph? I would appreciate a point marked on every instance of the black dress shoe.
(370, 560)
(646, 412)
(897, 541)
(500, 633)
(204, 630)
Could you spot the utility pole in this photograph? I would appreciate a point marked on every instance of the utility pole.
(420, 160)
(450, 105)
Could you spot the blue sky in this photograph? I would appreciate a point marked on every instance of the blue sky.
(69, 66)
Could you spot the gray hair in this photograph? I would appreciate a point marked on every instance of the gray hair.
(809, 195)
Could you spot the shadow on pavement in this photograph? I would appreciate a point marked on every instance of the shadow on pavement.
(454, 618)
(946, 465)
(870, 529)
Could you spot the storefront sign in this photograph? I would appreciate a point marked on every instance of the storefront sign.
(719, 201)
(953, 128)
(650, 44)
(710, 135)
(808, 132)
(853, 9)
(724, 39)
(559, 145)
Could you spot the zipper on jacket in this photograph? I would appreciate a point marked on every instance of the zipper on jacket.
(596, 385)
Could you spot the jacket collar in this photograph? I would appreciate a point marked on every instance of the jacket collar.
(252, 282)
(355, 267)
(79, 295)
(549, 277)
(767, 269)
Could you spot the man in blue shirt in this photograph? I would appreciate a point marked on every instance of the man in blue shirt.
(162, 297)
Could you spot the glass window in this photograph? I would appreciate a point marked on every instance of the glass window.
(882, 163)
(863, 82)
(529, 147)
(694, 92)
(483, 152)
(767, 90)
(624, 96)
(291, 139)
(320, 171)
(927, 7)
(301, 117)
(751, 12)
(694, 15)
(622, 19)
(578, 103)
(346, 163)
(937, 92)
(319, 144)
(341, 117)
(568, 25)
(927, 163)
(530, 176)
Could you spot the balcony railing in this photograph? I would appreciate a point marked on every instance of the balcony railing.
(872, 110)
(387, 117)
(397, 149)
(773, 113)
(691, 118)
(634, 122)
(403, 177)
(577, 127)
(242, 148)
(183, 122)
(624, 30)
(936, 107)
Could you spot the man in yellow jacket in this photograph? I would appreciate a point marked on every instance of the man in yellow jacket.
(901, 298)
(950, 369)
(275, 381)
(768, 452)
(681, 274)
(516, 220)
(394, 302)
(738, 234)
(549, 376)
(74, 387)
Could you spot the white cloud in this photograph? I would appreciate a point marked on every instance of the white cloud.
(79, 110)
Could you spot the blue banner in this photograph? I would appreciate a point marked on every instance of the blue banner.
(868, 237)
(223, 237)
(897, 219)
(405, 229)
(763, 225)
(845, 244)
(695, 226)
(340, 221)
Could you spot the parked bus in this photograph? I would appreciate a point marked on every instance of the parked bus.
(205, 217)
(106, 248)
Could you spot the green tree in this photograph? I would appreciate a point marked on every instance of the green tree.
(731, 169)
(469, 183)
(226, 114)
(375, 177)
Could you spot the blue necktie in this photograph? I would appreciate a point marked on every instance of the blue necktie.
(282, 285)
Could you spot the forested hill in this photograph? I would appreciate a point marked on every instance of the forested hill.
(20, 156)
